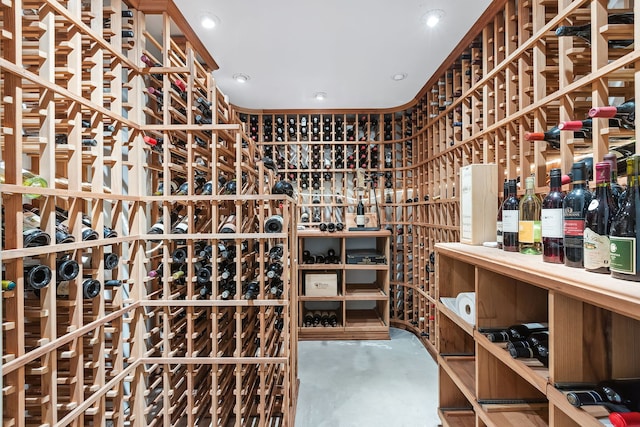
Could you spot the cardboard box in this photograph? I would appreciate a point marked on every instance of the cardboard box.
(478, 203)
(321, 284)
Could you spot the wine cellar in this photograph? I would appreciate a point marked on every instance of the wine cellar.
(166, 250)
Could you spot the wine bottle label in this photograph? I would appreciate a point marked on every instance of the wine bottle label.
(360, 220)
(529, 232)
(596, 250)
(510, 221)
(181, 228)
(499, 237)
(62, 290)
(552, 223)
(30, 221)
(574, 227)
(622, 253)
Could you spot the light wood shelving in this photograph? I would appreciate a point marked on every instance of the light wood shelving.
(592, 318)
(361, 302)
(160, 343)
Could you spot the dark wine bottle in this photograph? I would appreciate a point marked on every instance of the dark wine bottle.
(37, 276)
(505, 192)
(575, 206)
(622, 395)
(274, 224)
(32, 235)
(275, 270)
(552, 136)
(516, 332)
(110, 261)
(510, 214)
(625, 113)
(584, 31)
(360, 215)
(625, 233)
(598, 222)
(552, 220)
(252, 290)
(66, 269)
(616, 189)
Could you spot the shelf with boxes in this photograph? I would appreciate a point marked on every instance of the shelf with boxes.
(120, 240)
(590, 320)
(343, 285)
(333, 157)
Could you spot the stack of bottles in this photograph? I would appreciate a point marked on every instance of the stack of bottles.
(525, 340)
(317, 318)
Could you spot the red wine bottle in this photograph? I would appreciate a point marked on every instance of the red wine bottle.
(553, 221)
(625, 233)
(575, 206)
(625, 419)
(598, 222)
(625, 113)
(510, 215)
(616, 189)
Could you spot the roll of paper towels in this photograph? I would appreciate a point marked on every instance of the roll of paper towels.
(466, 303)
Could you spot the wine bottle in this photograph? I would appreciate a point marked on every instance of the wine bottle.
(37, 276)
(203, 272)
(552, 136)
(510, 214)
(620, 395)
(625, 233)
(597, 222)
(90, 288)
(274, 224)
(529, 227)
(8, 285)
(552, 220)
(32, 235)
(616, 189)
(516, 332)
(228, 289)
(532, 340)
(625, 113)
(584, 31)
(505, 192)
(252, 290)
(29, 179)
(275, 270)
(360, 216)
(276, 252)
(575, 206)
(110, 261)
(66, 269)
(625, 419)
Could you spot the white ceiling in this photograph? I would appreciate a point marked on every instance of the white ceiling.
(349, 49)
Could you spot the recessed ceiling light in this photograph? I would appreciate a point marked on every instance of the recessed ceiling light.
(399, 76)
(320, 96)
(209, 21)
(432, 17)
(241, 78)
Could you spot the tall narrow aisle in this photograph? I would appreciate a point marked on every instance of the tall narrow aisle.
(391, 383)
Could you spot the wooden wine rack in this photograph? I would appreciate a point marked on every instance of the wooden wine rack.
(160, 345)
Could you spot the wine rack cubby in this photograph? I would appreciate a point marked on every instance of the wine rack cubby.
(138, 226)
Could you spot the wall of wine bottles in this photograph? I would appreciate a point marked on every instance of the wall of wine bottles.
(335, 158)
(138, 229)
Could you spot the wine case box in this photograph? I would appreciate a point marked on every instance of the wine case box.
(321, 284)
(478, 203)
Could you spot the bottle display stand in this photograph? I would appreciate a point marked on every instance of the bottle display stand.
(358, 294)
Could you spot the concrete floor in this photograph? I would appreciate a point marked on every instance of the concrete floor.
(367, 383)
